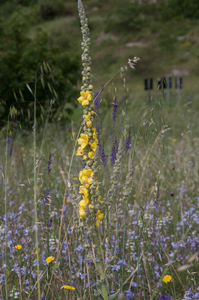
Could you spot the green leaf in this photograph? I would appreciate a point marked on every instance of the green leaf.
(114, 296)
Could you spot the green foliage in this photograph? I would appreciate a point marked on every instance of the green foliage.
(128, 15)
(173, 8)
(49, 10)
(19, 59)
(167, 40)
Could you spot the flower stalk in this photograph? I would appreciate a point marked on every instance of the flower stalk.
(91, 205)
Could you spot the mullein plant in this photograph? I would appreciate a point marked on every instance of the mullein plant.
(93, 210)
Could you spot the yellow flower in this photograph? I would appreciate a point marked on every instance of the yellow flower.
(75, 178)
(85, 176)
(18, 247)
(83, 140)
(87, 117)
(83, 190)
(81, 213)
(80, 151)
(91, 154)
(85, 98)
(83, 203)
(99, 199)
(84, 157)
(99, 217)
(89, 123)
(94, 146)
(68, 287)
(35, 252)
(49, 259)
(167, 278)
(95, 135)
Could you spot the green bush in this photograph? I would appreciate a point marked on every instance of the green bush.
(126, 16)
(19, 60)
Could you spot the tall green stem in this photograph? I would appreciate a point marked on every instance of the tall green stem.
(6, 165)
(101, 272)
(35, 197)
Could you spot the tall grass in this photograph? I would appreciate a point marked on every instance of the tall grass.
(131, 230)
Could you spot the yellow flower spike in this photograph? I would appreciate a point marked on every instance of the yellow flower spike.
(80, 151)
(68, 287)
(83, 190)
(49, 259)
(83, 140)
(85, 98)
(91, 154)
(18, 247)
(167, 278)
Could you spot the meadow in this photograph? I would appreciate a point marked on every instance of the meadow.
(106, 206)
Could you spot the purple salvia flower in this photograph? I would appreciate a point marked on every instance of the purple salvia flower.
(103, 156)
(8, 141)
(99, 142)
(48, 163)
(115, 106)
(11, 149)
(164, 297)
(129, 294)
(128, 142)
(96, 102)
(114, 152)
(46, 194)
(50, 222)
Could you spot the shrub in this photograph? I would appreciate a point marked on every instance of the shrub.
(20, 57)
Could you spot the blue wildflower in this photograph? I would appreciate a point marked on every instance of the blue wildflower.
(114, 152)
(103, 156)
(164, 297)
(48, 163)
(115, 106)
(50, 222)
(129, 294)
(128, 142)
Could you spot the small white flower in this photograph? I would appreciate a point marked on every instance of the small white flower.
(132, 62)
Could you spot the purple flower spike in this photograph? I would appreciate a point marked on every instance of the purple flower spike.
(164, 297)
(114, 152)
(128, 142)
(115, 106)
(8, 141)
(172, 194)
(50, 222)
(48, 163)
